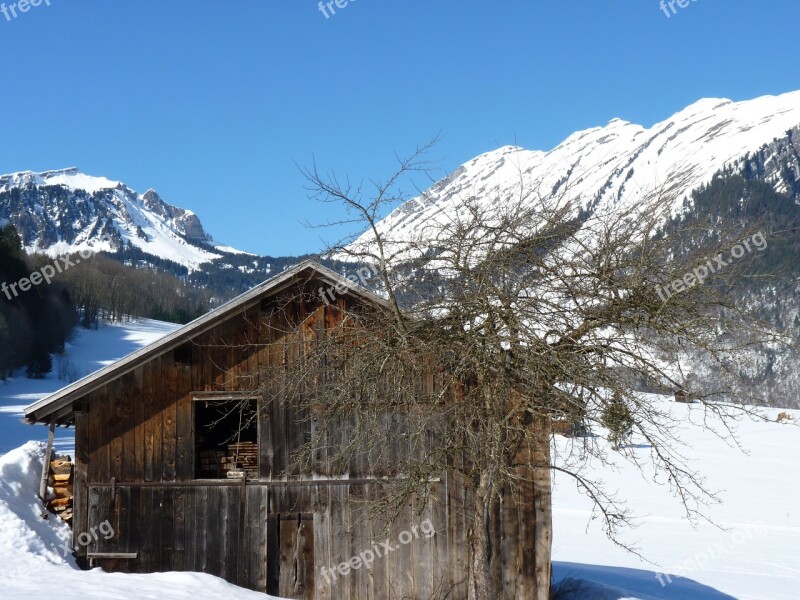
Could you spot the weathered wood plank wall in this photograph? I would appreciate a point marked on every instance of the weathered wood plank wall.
(135, 463)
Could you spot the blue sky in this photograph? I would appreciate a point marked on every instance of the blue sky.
(213, 103)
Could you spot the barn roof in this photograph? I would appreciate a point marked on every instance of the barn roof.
(59, 404)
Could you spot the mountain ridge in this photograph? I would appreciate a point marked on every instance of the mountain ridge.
(620, 162)
(64, 211)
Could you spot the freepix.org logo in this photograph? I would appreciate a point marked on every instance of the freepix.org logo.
(378, 550)
(700, 273)
(46, 273)
(669, 5)
(12, 10)
(329, 8)
(43, 275)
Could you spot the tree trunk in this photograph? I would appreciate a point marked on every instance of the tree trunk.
(480, 581)
(537, 508)
(542, 509)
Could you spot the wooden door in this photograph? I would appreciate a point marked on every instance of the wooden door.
(290, 556)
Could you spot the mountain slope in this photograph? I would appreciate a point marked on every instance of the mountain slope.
(65, 211)
(716, 162)
(623, 162)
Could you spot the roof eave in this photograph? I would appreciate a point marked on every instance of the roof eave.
(41, 411)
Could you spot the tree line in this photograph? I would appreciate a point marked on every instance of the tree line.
(105, 289)
(36, 321)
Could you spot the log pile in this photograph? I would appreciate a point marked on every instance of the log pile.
(212, 463)
(60, 478)
(240, 458)
(243, 457)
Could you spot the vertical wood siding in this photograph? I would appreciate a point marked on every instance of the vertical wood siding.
(139, 432)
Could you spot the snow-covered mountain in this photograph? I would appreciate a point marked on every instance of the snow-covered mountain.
(713, 148)
(624, 162)
(65, 211)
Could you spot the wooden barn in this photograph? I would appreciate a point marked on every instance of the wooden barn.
(187, 487)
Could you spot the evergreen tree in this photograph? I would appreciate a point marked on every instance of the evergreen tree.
(618, 419)
(33, 323)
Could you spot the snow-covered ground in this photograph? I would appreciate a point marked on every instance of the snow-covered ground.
(753, 552)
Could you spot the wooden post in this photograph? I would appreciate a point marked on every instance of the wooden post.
(242, 546)
(48, 456)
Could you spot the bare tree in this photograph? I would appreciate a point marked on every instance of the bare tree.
(504, 314)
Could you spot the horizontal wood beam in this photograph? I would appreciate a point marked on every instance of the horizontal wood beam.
(223, 395)
(249, 482)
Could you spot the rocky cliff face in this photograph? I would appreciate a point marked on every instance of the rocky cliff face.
(777, 163)
(64, 211)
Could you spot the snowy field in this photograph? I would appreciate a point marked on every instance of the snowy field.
(751, 553)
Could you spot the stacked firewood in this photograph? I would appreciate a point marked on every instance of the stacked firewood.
(60, 478)
(212, 463)
(243, 457)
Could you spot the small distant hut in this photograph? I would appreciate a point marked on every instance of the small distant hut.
(681, 396)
